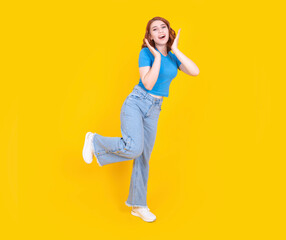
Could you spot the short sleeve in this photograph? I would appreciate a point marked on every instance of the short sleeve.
(144, 58)
(177, 61)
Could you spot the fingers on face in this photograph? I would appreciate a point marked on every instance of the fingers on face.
(147, 42)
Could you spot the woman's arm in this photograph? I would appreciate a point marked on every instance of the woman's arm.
(150, 78)
(187, 65)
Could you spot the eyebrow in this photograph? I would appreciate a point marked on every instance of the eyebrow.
(161, 25)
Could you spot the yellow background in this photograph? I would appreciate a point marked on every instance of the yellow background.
(217, 168)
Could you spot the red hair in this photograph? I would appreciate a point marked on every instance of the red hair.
(172, 34)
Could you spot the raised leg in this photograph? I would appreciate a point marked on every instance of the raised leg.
(130, 145)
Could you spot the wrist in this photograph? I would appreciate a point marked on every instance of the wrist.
(174, 49)
(158, 56)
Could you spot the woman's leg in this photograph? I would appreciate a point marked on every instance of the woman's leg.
(139, 179)
(130, 145)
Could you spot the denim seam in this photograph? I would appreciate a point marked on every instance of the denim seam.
(148, 111)
(126, 148)
(135, 180)
(136, 205)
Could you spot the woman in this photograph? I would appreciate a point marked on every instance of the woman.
(140, 112)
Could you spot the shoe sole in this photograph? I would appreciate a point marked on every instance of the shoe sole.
(137, 215)
(84, 147)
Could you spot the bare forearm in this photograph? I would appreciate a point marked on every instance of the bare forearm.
(187, 63)
(151, 77)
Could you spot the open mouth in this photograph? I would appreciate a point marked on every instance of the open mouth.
(162, 37)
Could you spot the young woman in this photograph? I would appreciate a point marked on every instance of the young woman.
(140, 112)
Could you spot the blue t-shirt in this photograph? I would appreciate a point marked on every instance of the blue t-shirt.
(168, 71)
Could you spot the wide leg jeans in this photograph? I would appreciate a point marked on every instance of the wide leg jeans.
(139, 117)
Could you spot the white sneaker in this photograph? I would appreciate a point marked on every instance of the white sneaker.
(144, 213)
(88, 150)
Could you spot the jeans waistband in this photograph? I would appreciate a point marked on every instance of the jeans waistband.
(145, 94)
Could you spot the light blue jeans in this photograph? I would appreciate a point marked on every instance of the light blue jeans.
(139, 117)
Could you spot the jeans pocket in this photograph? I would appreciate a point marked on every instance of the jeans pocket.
(135, 95)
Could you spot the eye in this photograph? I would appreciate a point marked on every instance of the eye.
(156, 28)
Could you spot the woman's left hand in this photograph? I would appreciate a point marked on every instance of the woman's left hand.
(175, 43)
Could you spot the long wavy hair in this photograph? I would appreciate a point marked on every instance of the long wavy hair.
(172, 34)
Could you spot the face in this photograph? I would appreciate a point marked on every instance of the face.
(157, 29)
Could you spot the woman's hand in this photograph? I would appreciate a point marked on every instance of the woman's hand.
(152, 50)
(175, 43)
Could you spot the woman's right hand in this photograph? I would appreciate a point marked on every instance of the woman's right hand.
(155, 53)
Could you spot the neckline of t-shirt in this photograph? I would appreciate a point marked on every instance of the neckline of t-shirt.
(161, 53)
